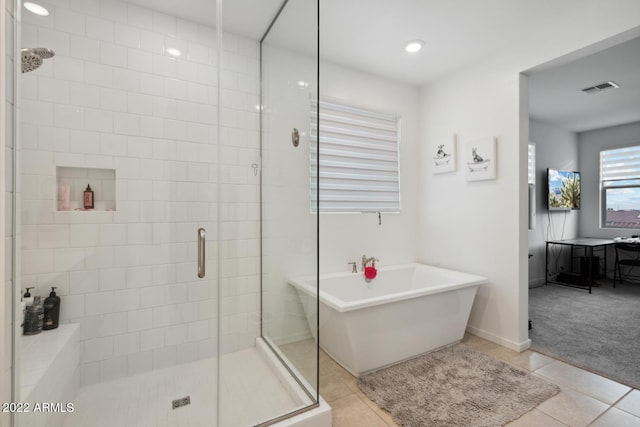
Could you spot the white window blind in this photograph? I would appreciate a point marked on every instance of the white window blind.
(620, 164)
(620, 187)
(358, 159)
(532, 164)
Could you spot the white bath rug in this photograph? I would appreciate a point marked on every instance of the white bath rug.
(455, 386)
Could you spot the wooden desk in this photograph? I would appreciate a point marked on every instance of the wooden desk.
(588, 244)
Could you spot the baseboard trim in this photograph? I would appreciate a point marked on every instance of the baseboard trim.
(519, 347)
(536, 282)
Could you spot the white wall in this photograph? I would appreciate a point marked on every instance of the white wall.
(346, 237)
(475, 226)
(590, 143)
(558, 149)
(112, 98)
(481, 227)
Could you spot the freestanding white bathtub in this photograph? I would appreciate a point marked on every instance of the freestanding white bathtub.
(405, 311)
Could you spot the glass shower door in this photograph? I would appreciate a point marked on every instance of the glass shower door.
(173, 276)
(127, 108)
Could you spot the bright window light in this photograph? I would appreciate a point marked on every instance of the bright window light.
(36, 8)
(413, 46)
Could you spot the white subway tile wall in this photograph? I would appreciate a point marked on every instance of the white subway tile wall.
(112, 98)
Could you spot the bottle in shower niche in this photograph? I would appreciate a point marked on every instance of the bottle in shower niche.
(88, 197)
(34, 317)
(64, 194)
(51, 310)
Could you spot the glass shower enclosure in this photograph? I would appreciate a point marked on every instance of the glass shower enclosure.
(189, 123)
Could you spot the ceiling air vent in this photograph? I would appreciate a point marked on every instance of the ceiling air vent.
(601, 87)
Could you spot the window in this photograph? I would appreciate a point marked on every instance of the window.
(620, 187)
(359, 166)
(531, 169)
(531, 178)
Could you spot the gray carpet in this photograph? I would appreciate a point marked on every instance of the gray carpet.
(455, 386)
(599, 332)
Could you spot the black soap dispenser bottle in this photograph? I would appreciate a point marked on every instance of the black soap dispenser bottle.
(51, 310)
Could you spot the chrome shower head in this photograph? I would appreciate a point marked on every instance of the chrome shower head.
(32, 57)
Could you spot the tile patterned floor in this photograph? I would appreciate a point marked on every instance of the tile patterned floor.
(585, 399)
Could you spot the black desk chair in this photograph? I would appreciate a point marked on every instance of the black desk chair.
(627, 254)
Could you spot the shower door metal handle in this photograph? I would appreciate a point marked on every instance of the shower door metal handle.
(202, 234)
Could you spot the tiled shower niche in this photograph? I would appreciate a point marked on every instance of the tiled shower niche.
(102, 182)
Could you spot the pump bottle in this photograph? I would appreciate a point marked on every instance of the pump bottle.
(51, 310)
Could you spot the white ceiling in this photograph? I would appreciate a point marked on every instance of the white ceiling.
(370, 34)
(556, 97)
(249, 18)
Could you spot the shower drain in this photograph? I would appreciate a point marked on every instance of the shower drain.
(181, 402)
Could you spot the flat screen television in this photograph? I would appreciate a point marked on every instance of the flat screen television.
(564, 190)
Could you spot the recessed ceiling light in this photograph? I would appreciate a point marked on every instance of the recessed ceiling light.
(303, 83)
(36, 8)
(173, 51)
(413, 46)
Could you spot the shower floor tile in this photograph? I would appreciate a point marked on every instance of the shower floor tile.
(250, 393)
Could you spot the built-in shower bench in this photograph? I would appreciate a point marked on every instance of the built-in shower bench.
(49, 372)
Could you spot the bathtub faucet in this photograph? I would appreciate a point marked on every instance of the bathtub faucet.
(366, 261)
(353, 264)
